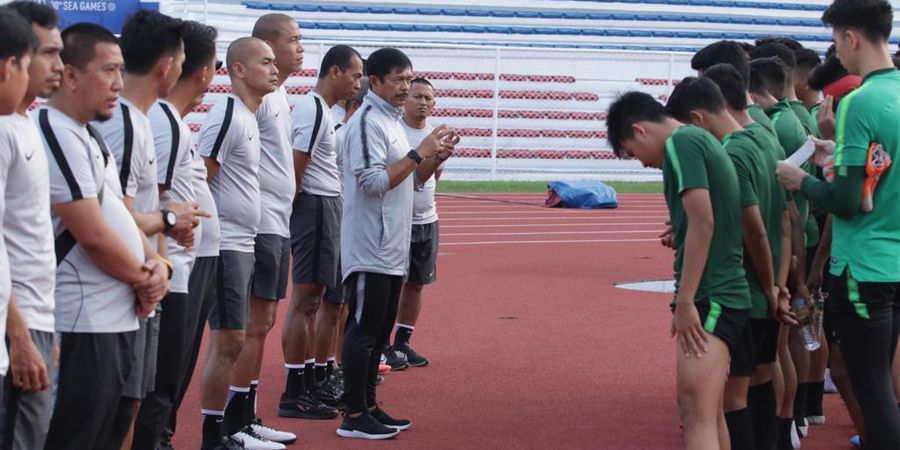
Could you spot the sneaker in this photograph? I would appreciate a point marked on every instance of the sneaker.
(165, 441)
(815, 420)
(305, 407)
(388, 421)
(396, 359)
(795, 438)
(802, 427)
(378, 380)
(830, 388)
(412, 357)
(271, 434)
(365, 427)
(325, 393)
(252, 441)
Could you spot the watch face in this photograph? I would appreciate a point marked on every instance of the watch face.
(170, 218)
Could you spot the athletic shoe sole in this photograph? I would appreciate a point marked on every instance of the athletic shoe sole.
(399, 427)
(294, 414)
(360, 435)
(419, 364)
(815, 420)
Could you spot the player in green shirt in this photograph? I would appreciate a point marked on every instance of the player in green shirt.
(712, 304)
(866, 245)
(699, 101)
(730, 52)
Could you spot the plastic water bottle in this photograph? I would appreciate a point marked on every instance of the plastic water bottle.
(818, 304)
(804, 315)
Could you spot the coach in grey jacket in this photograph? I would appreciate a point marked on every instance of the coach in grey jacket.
(377, 221)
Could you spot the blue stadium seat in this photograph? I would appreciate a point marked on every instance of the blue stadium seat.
(478, 12)
(594, 32)
(521, 30)
(473, 29)
(503, 13)
(304, 25)
(406, 11)
(527, 14)
(331, 8)
(256, 5)
(497, 30)
(305, 7)
(380, 10)
(328, 25)
(428, 11)
(353, 9)
(402, 27)
(599, 16)
(353, 26)
(550, 14)
(545, 30)
(575, 15)
(453, 12)
(449, 28)
(426, 28)
(281, 6)
(378, 27)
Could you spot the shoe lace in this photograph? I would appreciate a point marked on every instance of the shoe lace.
(259, 424)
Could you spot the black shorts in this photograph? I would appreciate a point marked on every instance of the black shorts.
(722, 322)
(233, 278)
(742, 355)
(316, 240)
(423, 250)
(270, 274)
(764, 334)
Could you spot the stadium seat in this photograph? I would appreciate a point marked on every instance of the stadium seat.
(380, 10)
(353, 26)
(281, 6)
(402, 27)
(353, 9)
(256, 5)
(478, 12)
(405, 11)
(330, 8)
(503, 13)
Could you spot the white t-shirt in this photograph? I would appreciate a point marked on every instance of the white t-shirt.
(313, 134)
(230, 136)
(277, 184)
(208, 245)
(424, 206)
(129, 137)
(88, 300)
(338, 112)
(175, 173)
(27, 227)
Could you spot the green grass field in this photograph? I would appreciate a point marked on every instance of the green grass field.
(537, 186)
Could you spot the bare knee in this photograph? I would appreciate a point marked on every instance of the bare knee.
(228, 344)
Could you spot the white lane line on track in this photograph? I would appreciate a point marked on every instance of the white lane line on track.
(594, 224)
(528, 219)
(552, 233)
(567, 241)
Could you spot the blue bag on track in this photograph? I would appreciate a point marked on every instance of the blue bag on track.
(580, 194)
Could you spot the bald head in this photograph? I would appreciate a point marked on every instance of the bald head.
(270, 27)
(245, 49)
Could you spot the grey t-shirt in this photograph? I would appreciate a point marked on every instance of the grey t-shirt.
(175, 174)
(28, 230)
(313, 134)
(230, 136)
(424, 206)
(276, 164)
(88, 300)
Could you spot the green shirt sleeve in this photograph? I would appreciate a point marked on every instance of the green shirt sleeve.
(745, 179)
(851, 134)
(686, 151)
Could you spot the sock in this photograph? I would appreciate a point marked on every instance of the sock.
(310, 374)
(403, 335)
(320, 372)
(329, 367)
(814, 396)
(235, 414)
(800, 402)
(250, 408)
(740, 429)
(295, 386)
(761, 405)
(784, 433)
(212, 427)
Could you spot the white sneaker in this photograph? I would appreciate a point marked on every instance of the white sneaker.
(271, 434)
(795, 438)
(830, 388)
(815, 420)
(251, 441)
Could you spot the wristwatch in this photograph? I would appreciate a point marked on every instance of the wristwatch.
(169, 219)
(414, 155)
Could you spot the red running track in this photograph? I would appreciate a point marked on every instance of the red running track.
(531, 345)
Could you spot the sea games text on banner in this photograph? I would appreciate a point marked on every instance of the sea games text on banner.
(109, 13)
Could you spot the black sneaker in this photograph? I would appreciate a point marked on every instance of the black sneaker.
(165, 441)
(414, 359)
(365, 427)
(326, 394)
(390, 422)
(305, 407)
(395, 359)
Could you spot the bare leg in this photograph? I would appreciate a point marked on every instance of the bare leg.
(701, 383)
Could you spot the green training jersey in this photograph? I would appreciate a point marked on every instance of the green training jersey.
(694, 159)
(813, 112)
(759, 116)
(752, 152)
(806, 119)
(792, 135)
(868, 244)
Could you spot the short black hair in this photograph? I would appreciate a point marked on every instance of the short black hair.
(421, 80)
(199, 46)
(148, 36)
(694, 93)
(729, 52)
(340, 56)
(748, 47)
(16, 37)
(807, 59)
(875, 18)
(767, 75)
(778, 50)
(790, 43)
(828, 72)
(35, 13)
(730, 83)
(80, 41)
(384, 61)
(630, 108)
